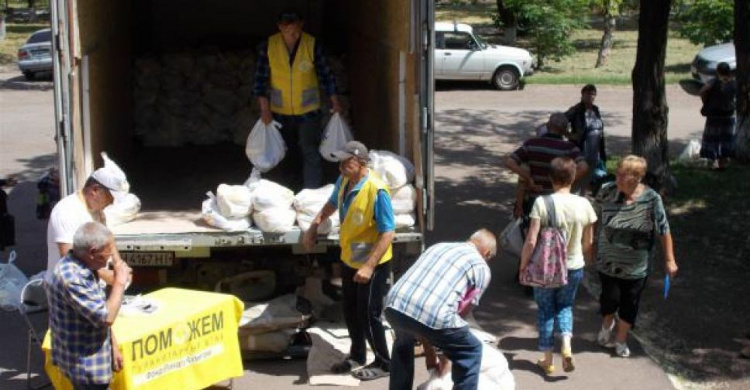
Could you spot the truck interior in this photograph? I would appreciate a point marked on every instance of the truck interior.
(375, 42)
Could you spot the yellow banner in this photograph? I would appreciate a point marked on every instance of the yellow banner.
(189, 342)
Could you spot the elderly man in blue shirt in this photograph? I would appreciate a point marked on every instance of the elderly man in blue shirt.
(80, 315)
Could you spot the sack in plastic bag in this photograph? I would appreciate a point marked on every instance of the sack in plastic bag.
(691, 154)
(269, 195)
(234, 201)
(210, 213)
(395, 170)
(404, 220)
(332, 224)
(404, 199)
(336, 136)
(265, 147)
(311, 201)
(124, 209)
(275, 220)
(12, 281)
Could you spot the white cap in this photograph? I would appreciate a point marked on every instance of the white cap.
(111, 176)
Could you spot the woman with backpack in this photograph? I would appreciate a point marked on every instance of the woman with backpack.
(574, 217)
(718, 97)
(631, 217)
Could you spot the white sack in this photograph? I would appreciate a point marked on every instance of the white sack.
(404, 199)
(277, 341)
(12, 281)
(265, 147)
(331, 224)
(124, 209)
(268, 195)
(212, 216)
(311, 201)
(395, 170)
(234, 201)
(336, 136)
(275, 219)
(404, 220)
(278, 313)
(691, 153)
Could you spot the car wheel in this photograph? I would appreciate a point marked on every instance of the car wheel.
(29, 75)
(506, 79)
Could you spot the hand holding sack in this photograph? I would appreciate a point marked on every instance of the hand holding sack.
(336, 136)
(265, 147)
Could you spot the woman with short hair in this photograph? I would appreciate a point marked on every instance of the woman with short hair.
(631, 217)
(575, 217)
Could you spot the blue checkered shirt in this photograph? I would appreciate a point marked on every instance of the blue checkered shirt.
(432, 288)
(326, 79)
(81, 346)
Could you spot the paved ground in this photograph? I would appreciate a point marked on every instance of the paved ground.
(472, 191)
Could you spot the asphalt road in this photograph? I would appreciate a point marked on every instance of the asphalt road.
(475, 128)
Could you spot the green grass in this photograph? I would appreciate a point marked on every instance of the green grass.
(579, 68)
(15, 36)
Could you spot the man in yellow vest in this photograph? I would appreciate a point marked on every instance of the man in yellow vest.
(291, 69)
(367, 230)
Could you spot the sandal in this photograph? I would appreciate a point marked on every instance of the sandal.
(370, 372)
(567, 361)
(547, 368)
(347, 365)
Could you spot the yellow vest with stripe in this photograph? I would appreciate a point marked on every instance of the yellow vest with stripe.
(359, 231)
(294, 89)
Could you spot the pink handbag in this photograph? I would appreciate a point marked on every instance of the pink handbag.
(548, 265)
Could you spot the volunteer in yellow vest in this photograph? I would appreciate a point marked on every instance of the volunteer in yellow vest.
(291, 70)
(367, 229)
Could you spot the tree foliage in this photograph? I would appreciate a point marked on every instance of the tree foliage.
(706, 22)
(548, 25)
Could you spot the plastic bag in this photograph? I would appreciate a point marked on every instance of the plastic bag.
(395, 170)
(12, 281)
(331, 225)
(404, 220)
(311, 201)
(336, 136)
(275, 220)
(269, 195)
(404, 200)
(124, 209)
(511, 238)
(210, 213)
(265, 147)
(234, 201)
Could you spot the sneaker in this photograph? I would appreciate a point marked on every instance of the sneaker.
(622, 350)
(604, 338)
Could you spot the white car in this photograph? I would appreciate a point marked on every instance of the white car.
(460, 55)
(35, 55)
(704, 65)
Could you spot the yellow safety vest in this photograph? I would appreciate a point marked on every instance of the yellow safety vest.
(359, 231)
(294, 89)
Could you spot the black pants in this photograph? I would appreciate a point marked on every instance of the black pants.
(363, 310)
(302, 138)
(621, 296)
(90, 386)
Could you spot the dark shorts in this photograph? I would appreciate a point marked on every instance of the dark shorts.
(621, 296)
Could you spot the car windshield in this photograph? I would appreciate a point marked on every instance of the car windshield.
(40, 37)
(481, 42)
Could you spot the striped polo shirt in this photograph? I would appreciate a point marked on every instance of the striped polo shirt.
(539, 152)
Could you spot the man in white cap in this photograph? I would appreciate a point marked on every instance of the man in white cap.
(367, 230)
(85, 205)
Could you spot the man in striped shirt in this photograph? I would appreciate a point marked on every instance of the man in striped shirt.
(538, 152)
(428, 303)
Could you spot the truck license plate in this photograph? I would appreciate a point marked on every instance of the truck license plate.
(148, 259)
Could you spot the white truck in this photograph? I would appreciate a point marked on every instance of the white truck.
(110, 69)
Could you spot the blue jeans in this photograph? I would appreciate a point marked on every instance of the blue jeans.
(556, 304)
(458, 344)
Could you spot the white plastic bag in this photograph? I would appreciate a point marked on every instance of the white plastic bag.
(404, 220)
(234, 201)
(404, 199)
(275, 220)
(268, 195)
(395, 170)
(336, 136)
(331, 225)
(212, 216)
(511, 238)
(265, 147)
(310, 201)
(12, 281)
(124, 209)
(691, 154)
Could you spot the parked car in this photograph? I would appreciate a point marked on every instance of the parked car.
(35, 55)
(461, 55)
(705, 62)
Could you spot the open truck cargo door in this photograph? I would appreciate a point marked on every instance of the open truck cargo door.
(61, 72)
(427, 106)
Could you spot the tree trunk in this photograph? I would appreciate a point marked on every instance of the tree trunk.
(510, 23)
(610, 22)
(742, 51)
(650, 110)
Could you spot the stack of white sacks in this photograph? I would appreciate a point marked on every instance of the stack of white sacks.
(398, 173)
(275, 209)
